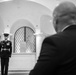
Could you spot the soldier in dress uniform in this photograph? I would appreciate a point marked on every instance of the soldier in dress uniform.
(5, 51)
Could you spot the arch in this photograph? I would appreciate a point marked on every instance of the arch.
(24, 40)
(20, 23)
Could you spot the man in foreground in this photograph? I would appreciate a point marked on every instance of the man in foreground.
(58, 52)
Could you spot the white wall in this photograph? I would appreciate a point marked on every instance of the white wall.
(20, 13)
(51, 4)
(12, 11)
(46, 25)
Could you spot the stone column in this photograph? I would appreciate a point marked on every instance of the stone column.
(39, 38)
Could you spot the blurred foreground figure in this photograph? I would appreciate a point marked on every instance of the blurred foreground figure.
(5, 51)
(58, 52)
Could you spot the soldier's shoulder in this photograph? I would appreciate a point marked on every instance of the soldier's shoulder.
(2, 41)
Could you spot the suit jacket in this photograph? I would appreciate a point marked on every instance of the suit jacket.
(5, 49)
(58, 54)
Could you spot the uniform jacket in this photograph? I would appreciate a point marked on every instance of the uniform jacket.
(5, 49)
(58, 54)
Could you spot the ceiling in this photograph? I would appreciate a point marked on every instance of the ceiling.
(51, 4)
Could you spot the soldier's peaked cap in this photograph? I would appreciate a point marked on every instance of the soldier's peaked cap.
(6, 34)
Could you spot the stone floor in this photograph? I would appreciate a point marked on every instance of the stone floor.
(17, 73)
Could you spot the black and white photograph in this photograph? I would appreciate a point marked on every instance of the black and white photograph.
(37, 37)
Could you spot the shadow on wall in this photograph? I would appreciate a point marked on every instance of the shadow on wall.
(47, 25)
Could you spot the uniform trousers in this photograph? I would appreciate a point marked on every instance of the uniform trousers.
(4, 66)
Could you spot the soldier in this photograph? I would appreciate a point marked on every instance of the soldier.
(6, 50)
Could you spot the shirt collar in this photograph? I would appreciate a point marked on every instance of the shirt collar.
(65, 27)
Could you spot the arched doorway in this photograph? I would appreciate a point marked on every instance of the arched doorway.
(24, 40)
(24, 52)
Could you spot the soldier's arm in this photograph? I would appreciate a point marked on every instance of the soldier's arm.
(0, 46)
(10, 48)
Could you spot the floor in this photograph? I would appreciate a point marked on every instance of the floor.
(17, 73)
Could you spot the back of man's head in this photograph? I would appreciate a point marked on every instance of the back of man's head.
(64, 10)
